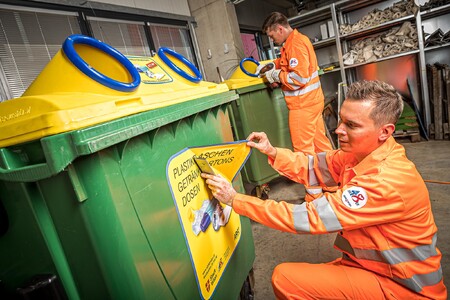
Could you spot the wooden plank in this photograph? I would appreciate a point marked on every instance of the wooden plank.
(447, 95)
(430, 99)
(437, 103)
(432, 130)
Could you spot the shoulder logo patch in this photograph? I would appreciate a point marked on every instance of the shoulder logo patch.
(293, 62)
(354, 197)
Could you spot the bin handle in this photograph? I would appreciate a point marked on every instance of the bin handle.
(241, 64)
(26, 173)
(23, 173)
(9, 171)
(162, 54)
(72, 55)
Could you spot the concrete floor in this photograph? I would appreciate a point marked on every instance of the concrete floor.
(432, 159)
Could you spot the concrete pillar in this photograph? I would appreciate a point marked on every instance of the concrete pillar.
(218, 37)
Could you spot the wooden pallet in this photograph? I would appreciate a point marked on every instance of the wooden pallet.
(439, 83)
(412, 133)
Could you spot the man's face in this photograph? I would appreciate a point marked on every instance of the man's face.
(276, 34)
(357, 132)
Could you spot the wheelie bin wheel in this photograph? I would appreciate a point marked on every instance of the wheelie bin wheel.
(261, 191)
(247, 291)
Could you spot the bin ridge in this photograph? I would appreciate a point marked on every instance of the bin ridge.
(85, 141)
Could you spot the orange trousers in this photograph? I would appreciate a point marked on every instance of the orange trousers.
(307, 130)
(335, 280)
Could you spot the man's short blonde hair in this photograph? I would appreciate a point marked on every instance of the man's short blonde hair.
(388, 103)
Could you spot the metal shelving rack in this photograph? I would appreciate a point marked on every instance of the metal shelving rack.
(436, 47)
(383, 59)
(434, 12)
(376, 29)
(336, 11)
(425, 15)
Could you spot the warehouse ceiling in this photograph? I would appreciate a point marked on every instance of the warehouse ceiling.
(282, 3)
(299, 4)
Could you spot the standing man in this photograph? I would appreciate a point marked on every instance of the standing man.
(381, 210)
(297, 72)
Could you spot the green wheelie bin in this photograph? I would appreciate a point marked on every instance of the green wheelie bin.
(259, 108)
(86, 211)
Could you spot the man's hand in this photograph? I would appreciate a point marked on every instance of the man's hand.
(273, 75)
(258, 69)
(260, 141)
(221, 189)
(263, 68)
(274, 85)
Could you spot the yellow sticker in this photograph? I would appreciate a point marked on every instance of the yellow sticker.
(211, 229)
(149, 70)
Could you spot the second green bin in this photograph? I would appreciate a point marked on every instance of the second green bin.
(259, 108)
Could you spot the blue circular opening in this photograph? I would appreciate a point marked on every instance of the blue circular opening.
(72, 55)
(162, 54)
(241, 64)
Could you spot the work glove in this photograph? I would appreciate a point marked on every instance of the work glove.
(273, 75)
(263, 68)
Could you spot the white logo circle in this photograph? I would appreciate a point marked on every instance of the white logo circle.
(354, 197)
(293, 62)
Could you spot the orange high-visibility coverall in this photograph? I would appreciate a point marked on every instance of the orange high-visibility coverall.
(383, 217)
(304, 97)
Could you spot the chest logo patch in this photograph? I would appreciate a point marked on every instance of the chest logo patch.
(293, 62)
(354, 197)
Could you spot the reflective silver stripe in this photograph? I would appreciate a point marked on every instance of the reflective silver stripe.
(396, 256)
(302, 80)
(312, 178)
(314, 191)
(291, 82)
(399, 255)
(326, 214)
(294, 76)
(416, 282)
(419, 281)
(301, 221)
(303, 91)
(323, 167)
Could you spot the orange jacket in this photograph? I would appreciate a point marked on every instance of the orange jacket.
(299, 72)
(381, 210)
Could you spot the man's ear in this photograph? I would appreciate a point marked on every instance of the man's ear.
(386, 132)
(280, 28)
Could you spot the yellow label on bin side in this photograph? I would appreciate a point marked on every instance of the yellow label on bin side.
(212, 230)
(151, 72)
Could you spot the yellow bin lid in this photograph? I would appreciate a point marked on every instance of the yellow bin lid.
(244, 76)
(99, 85)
